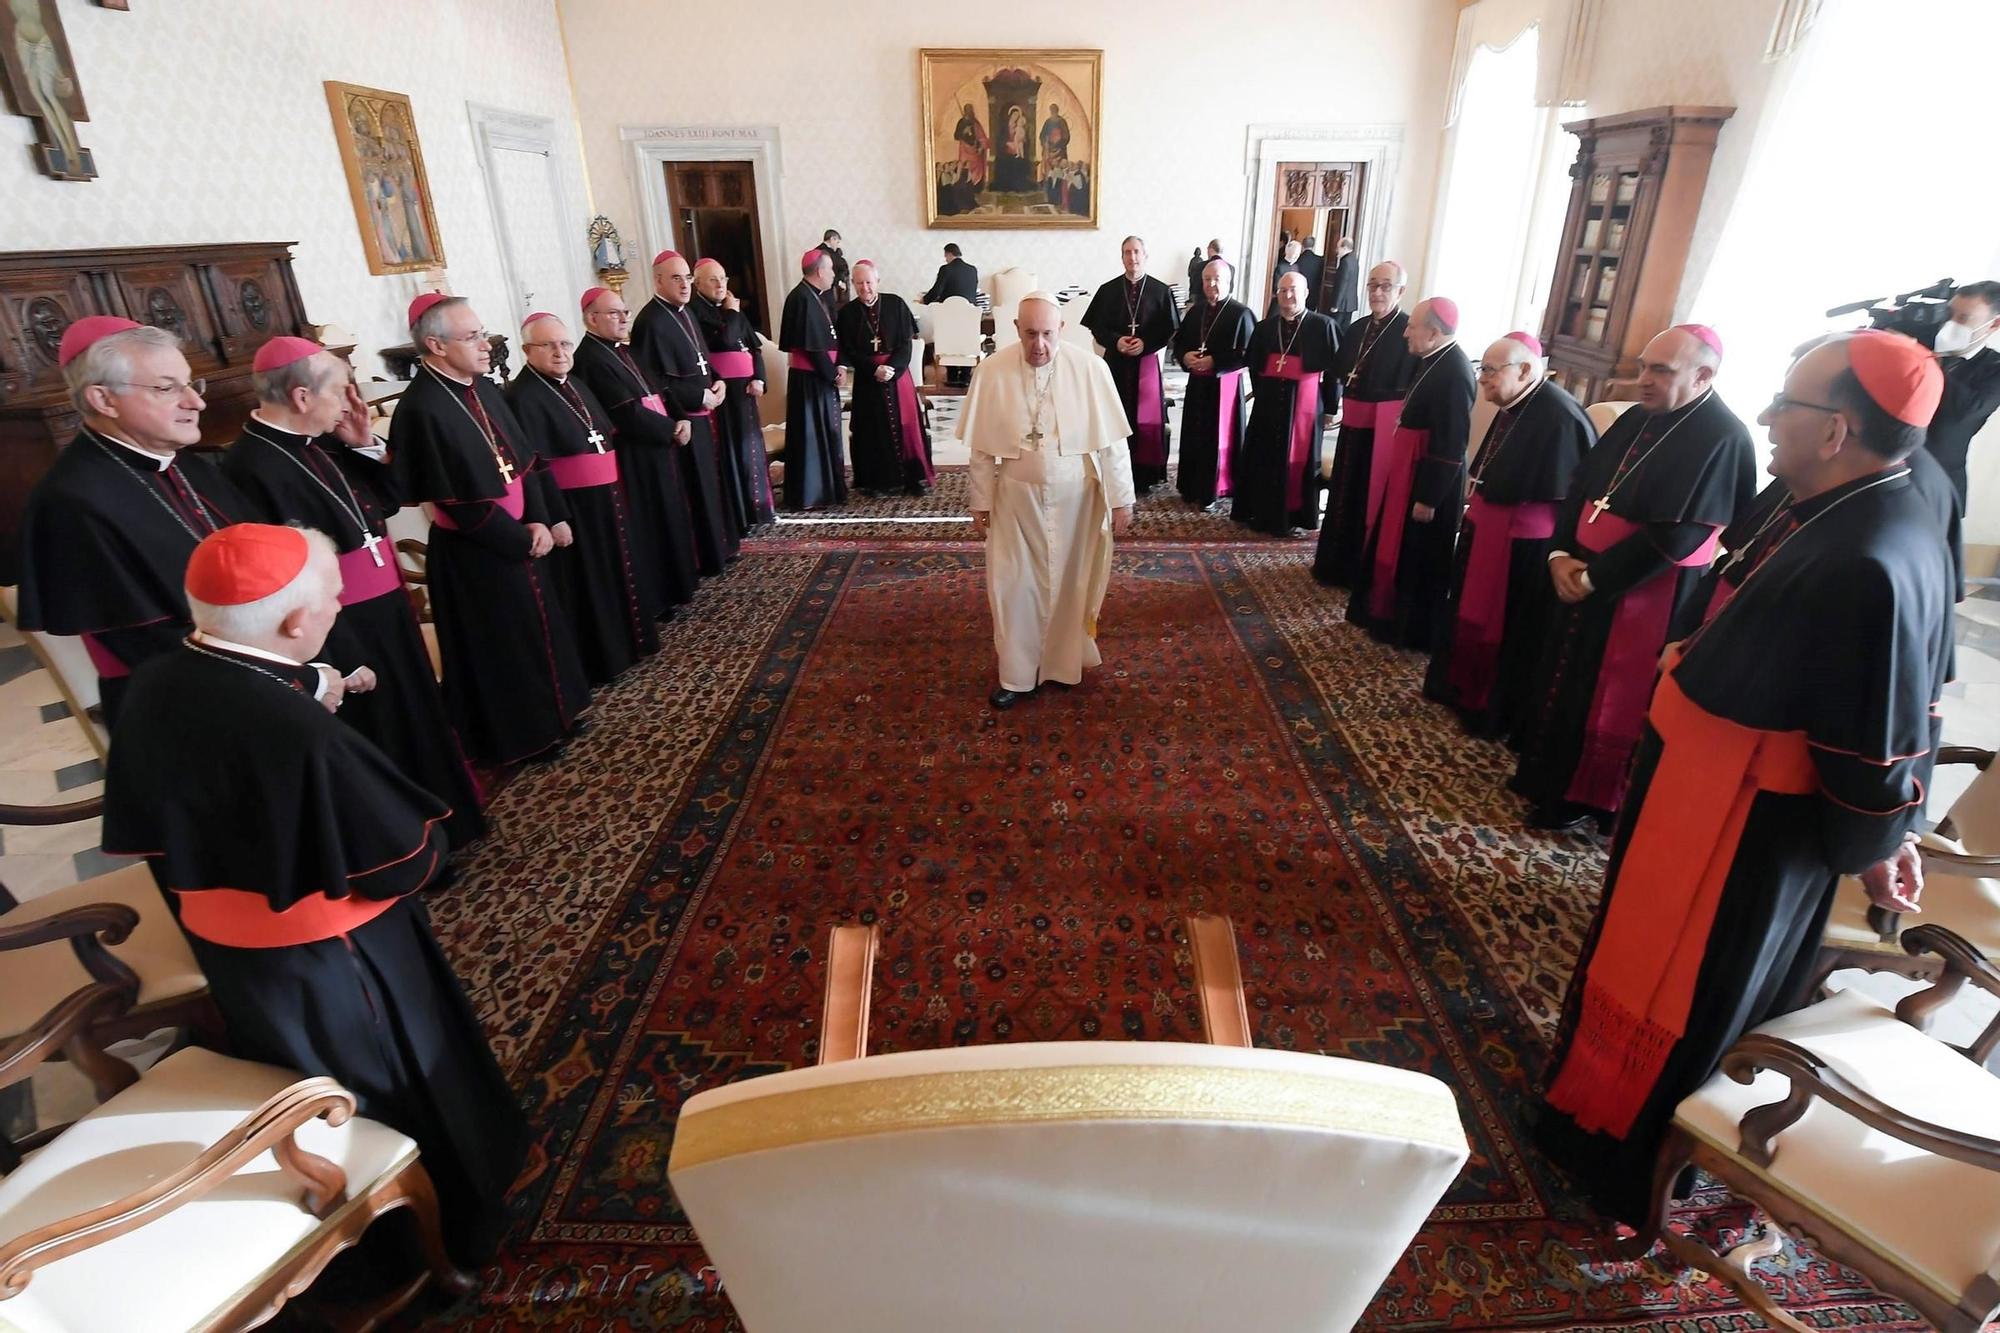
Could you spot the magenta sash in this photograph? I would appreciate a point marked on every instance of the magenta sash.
(652, 402)
(1149, 432)
(1406, 446)
(575, 472)
(108, 667)
(733, 365)
(1626, 676)
(1305, 427)
(362, 580)
(803, 359)
(511, 503)
(1482, 598)
(1382, 446)
(1228, 385)
(909, 419)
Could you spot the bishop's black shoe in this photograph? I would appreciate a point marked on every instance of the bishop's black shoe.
(1004, 698)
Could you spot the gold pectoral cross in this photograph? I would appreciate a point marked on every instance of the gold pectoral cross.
(874, 344)
(506, 469)
(1033, 438)
(1598, 506)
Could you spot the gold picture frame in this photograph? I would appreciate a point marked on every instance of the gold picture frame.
(1039, 171)
(377, 133)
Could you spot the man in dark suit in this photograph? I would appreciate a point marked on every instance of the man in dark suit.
(1965, 346)
(955, 277)
(1313, 266)
(1345, 293)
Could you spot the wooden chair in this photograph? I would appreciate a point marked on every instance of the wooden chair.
(1961, 864)
(68, 665)
(203, 1196)
(771, 410)
(1120, 1187)
(1848, 1126)
(119, 934)
(1603, 414)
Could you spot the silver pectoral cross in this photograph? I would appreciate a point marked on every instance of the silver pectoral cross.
(1598, 506)
(1281, 363)
(700, 363)
(373, 542)
(1133, 328)
(874, 344)
(595, 439)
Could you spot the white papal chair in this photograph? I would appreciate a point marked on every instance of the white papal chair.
(1009, 285)
(1099, 1187)
(956, 322)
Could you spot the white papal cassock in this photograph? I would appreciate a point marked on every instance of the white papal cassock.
(1048, 549)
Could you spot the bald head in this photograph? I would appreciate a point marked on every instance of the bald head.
(672, 281)
(1506, 371)
(1291, 295)
(865, 281)
(1038, 320)
(1675, 369)
(711, 280)
(1385, 287)
(1431, 326)
(1216, 277)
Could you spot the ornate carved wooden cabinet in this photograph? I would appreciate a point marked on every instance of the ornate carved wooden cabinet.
(224, 301)
(1638, 180)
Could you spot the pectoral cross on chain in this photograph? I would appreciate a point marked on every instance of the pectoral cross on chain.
(506, 468)
(1281, 363)
(595, 439)
(1598, 506)
(700, 362)
(1034, 437)
(373, 541)
(496, 376)
(1133, 328)
(874, 344)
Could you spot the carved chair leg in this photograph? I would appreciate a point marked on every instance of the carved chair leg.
(108, 1075)
(1675, 1152)
(1693, 1254)
(453, 1282)
(1748, 1252)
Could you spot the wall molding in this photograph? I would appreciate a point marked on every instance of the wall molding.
(496, 129)
(651, 147)
(1379, 147)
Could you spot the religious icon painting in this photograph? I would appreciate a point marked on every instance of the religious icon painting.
(1010, 137)
(385, 177)
(40, 81)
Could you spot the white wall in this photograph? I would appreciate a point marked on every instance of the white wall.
(209, 123)
(1182, 81)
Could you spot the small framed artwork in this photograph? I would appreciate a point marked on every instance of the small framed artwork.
(39, 79)
(1011, 137)
(385, 178)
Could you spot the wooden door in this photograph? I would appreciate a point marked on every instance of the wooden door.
(715, 216)
(1320, 200)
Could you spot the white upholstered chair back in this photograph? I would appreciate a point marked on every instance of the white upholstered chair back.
(68, 664)
(1008, 286)
(1093, 1187)
(1975, 815)
(956, 323)
(1073, 331)
(1603, 414)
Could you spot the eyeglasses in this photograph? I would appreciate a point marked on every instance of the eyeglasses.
(166, 391)
(1779, 402)
(1383, 286)
(1487, 372)
(564, 346)
(476, 336)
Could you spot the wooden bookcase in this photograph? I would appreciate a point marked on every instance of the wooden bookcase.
(1636, 191)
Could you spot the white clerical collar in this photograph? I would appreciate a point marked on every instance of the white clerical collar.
(1521, 397)
(448, 377)
(268, 424)
(558, 379)
(159, 460)
(242, 649)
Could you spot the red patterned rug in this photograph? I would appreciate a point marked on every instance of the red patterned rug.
(813, 747)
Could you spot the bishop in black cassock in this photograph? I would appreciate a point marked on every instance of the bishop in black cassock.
(1133, 317)
(1213, 345)
(108, 529)
(1375, 370)
(1789, 742)
(733, 351)
(511, 676)
(815, 467)
(1500, 595)
(886, 434)
(610, 599)
(294, 850)
(649, 455)
(1631, 543)
(668, 346)
(1291, 359)
(299, 461)
(1402, 590)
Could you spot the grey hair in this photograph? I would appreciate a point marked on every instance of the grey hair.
(1227, 267)
(1402, 278)
(431, 324)
(107, 362)
(275, 386)
(1129, 239)
(259, 619)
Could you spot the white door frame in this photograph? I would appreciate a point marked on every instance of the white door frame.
(652, 146)
(1380, 147)
(495, 129)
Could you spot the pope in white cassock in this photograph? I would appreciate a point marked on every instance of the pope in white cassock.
(1051, 486)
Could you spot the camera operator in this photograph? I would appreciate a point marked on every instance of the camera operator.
(1964, 346)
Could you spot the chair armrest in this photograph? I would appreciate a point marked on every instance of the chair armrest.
(1965, 754)
(1812, 1078)
(89, 929)
(1962, 963)
(417, 569)
(72, 813)
(270, 1126)
(67, 1028)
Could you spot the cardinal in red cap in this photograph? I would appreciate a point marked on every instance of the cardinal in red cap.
(307, 456)
(295, 850)
(1500, 598)
(1402, 590)
(669, 347)
(1640, 526)
(815, 462)
(1789, 742)
(106, 533)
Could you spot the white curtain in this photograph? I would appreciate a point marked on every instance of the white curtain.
(1568, 37)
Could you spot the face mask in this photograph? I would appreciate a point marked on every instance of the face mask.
(1954, 338)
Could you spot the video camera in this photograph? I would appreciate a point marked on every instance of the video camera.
(1918, 309)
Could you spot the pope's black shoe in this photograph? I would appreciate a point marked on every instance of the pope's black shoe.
(1004, 698)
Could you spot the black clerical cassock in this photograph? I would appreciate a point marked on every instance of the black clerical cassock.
(1500, 596)
(733, 353)
(295, 850)
(668, 345)
(612, 604)
(1212, 413)
(1277, 474)
(105, 538)
(649, 466)
(886, 435)
(815, 467)
(321, 483)
(1143, 310)
(1791, 743)
(1402, 590)
(1643, 514)
(1373, 372)
(511, 676)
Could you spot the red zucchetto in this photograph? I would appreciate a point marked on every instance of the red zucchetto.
(78, 337)
(284, 351)
(1900, 374)
(245, 562)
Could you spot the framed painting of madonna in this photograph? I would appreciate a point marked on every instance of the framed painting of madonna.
(385, 176)
(1011, 137)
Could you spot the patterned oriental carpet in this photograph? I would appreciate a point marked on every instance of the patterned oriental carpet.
(813, 746)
